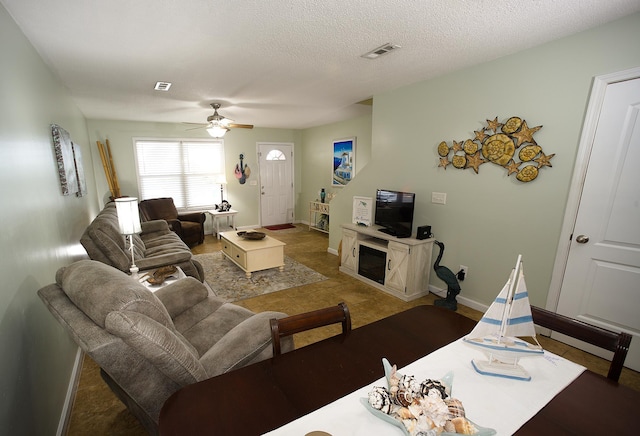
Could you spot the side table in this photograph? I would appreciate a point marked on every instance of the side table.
(216, 216)
(143, 275)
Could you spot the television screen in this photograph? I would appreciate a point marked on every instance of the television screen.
(394, 212)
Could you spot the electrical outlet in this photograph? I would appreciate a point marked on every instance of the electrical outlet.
(462, 272)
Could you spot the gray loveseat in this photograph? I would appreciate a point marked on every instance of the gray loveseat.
(148, 345)
(156, 246)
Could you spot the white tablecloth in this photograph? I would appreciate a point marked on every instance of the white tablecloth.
(499, 403)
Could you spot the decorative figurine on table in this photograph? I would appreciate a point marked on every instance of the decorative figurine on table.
(447, 276)
(223, 207)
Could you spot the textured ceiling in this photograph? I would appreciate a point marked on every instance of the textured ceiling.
(277, 63)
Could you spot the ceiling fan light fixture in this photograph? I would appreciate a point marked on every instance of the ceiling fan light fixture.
(217, 131)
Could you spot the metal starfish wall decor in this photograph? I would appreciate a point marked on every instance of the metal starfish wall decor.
(497, 143)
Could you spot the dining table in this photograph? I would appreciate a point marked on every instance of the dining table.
(316, 383)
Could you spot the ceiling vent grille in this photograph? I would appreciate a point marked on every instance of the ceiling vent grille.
(162, 86)
(382, 50)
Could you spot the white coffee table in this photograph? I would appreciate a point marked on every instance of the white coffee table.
(253, 255)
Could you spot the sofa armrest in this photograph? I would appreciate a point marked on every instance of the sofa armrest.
(181, 295)
(241, 345)
(154, 226)
(196, 217)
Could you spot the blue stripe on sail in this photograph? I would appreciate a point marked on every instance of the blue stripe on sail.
(520, 295)
(501, 300)
(491, 321)
(520, 320)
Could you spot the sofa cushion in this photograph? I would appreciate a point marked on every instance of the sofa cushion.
(97, 289)
(165, 349)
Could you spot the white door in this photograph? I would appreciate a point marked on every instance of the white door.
(276, 183)
(601, 283)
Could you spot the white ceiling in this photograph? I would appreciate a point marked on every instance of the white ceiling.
(278, 63)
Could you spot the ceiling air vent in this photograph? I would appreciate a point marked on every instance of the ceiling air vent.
(382, 50)
(162, 86)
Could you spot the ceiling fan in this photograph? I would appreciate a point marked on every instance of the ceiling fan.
(218, 125)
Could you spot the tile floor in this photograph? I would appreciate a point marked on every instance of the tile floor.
(98, 412)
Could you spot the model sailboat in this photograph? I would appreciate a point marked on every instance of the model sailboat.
(499, 331)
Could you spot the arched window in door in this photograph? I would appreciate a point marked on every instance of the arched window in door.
(276, 154)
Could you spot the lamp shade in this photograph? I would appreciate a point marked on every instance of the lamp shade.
(128, 215)
(217, 131)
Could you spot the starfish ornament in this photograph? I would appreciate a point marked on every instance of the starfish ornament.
(480, 135)
(474, 161)
(494, 124)
(525, 134)
(544, 160)
(444, 162)
(457, 146)
(512, 167)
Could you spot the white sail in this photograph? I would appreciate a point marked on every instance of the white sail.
(492, 319)
(510, 312)
(520, 321)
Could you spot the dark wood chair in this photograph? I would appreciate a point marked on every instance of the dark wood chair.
(308, 321)
(603, 338)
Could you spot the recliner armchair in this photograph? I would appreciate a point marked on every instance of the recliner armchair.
(148, 345)
(189, 226)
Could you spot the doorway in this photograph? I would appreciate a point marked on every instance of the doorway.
(597, 272)
(276, 183)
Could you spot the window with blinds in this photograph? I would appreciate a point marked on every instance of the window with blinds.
(189, 171)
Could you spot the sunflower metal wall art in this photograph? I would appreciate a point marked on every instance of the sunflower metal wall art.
(498, 143)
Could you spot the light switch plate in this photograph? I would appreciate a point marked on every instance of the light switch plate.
(439, 197)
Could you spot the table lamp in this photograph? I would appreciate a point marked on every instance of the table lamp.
(129, 223)
(221, 180)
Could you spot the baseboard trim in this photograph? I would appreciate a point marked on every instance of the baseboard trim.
(65, 417)
(460, 299)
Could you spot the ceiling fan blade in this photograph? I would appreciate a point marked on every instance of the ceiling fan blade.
(240, 126)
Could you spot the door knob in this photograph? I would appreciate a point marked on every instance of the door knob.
(582, 239)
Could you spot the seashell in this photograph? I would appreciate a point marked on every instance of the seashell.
(449, 427)
(512, 125)
(429, 384)
(498, 149)
(443, 149)
(470, 147)
(527, 173)
(463, 426)
(405, 413)
(459, 161)
(380, 399)
(408, 382)
(529, 152)
(455, 407)
(404, 397)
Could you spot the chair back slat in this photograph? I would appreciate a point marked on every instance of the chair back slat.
(600, 337)
(309, 321)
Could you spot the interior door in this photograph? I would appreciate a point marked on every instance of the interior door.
(276, 183)
(601, 283)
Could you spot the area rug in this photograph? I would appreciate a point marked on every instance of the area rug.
(280, 227)
(230, 283)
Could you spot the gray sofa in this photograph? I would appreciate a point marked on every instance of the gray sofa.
(148, 345)
(156, 246)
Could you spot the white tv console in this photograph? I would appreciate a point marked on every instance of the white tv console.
(402, 265)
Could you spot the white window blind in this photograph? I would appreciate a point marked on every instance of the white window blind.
(188, 171)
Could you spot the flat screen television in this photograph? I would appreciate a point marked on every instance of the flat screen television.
(394, 212)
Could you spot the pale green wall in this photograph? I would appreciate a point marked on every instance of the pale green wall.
(244, 198)
(317, 158)
(41, 229)
(489, 218)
